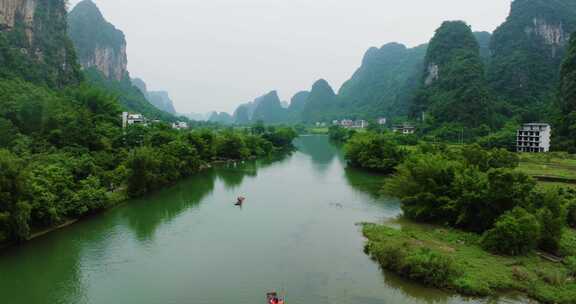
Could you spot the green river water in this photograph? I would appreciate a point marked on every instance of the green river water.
(189, 245)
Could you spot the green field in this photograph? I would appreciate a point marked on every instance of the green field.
(473, 271)
(550, 168)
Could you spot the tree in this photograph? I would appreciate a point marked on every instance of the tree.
(515, 233)
(552, 215)
(142, 166)
(374, 151)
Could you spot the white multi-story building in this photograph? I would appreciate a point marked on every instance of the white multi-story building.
(129, 119)
(405, 129)
(382, 121)
(180, 125)
(360, 124)
(534, 137)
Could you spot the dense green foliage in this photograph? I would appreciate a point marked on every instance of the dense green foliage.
(454, 87)
(423, 264)
(384, 84)
(374, 151)
(567, 123)
(479, 190)
(66, 156)
(514, 233)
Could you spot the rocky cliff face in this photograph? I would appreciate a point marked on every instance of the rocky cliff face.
(98, 43)
(551, 35)
(528, 48)
(33, 33)
(12, 11)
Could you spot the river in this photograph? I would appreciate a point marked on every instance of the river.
(188, 244)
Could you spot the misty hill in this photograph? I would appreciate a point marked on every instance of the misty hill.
(101, 49)
(385, 82)
(484, 39)
(269, 109)
(159, 99)
(320, 104)
(221, 117)
(195, 116)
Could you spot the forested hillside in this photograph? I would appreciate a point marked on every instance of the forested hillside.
(385, 83)
(527, 51)
(567, 103)
(321, 104)
(454, 89)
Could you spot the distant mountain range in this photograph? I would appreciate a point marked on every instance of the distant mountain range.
(511, 74)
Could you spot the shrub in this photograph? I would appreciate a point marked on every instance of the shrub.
(515, 233)
(570, 263)
(430, 267)
(374, 151)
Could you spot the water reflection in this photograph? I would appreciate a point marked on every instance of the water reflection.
(319, 149)
(365, 182)
(162, 207)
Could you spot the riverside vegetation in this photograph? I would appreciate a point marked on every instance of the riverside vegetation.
(490, 220)
(64, 154)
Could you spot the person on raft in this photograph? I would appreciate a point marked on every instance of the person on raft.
(240, 201)
(275, 300)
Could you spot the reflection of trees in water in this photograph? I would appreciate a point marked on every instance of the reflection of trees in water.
(58, 257)
(364, 181)
(233, 174)
(414, 290)
(26, 278)
(320, 150)
(151, 212)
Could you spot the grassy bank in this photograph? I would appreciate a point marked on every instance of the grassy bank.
(551, 167)
(453, 260)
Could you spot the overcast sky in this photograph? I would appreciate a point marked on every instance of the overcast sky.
(215, 54)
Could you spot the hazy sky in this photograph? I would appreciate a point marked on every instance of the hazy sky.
(216, 54)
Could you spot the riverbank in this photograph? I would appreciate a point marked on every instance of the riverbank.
(453, 260)
(121, 197)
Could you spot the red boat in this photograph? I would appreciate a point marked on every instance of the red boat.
(273, 298)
